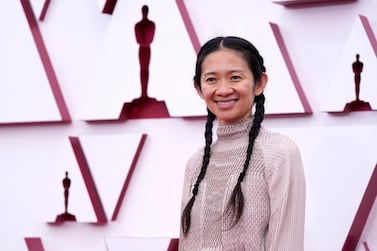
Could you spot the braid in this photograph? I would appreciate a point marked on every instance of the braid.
(255, 63)
(186, 214)
(236, 202)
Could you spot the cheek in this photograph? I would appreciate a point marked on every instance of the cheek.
(207, 92)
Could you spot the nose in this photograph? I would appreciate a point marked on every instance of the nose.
(224, 89)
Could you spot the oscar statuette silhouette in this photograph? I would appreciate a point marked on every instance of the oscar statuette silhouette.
(144, 106)
(357, 104)
(66, 216)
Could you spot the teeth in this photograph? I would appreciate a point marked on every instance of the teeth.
(224, 102)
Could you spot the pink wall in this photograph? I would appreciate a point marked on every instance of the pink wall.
(64, 80)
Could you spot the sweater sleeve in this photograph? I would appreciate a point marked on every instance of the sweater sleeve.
(287, 200)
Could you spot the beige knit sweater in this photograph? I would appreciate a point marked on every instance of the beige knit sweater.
(273, 188)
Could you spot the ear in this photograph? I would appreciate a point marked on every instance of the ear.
(199, 91)
(259, 88)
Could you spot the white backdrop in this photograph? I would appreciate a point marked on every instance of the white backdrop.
(91, 53)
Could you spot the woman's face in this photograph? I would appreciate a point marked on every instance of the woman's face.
(227, 85)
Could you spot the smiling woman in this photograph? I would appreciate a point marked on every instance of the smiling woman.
(246, 190)
(228, 85)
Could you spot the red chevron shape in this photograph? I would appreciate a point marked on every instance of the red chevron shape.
(82, 157)
(128, 178)
(34, 244)
(369, 31)
(366, 247)
(109, 6)
(173, 245)
(291, 68)
(88, 179)
(46, 4)
(362, 214)
(311, 3)
(50, 73)
(189, 25)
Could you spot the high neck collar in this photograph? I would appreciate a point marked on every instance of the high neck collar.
(236, 129)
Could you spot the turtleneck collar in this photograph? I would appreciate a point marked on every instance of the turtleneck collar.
(236, 129)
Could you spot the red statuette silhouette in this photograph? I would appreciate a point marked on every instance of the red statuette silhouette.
(357, 104)
(66, 216)
(144, 106)
(144, 32)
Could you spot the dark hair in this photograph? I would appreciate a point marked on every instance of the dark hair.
(255, 63)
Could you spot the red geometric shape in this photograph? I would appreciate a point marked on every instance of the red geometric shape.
(128, 178)
(189, 26)
(310, 3)
(50, 73)
(173, 246)
(44, 10)
(88, 179)
(365, 244)
(369, 31)
(141, 243)
(109, 6)
(149, 108)
(291, 69)
(362, 214)
(83, 152)
(34, 244)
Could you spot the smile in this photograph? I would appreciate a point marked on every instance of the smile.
(226, 103)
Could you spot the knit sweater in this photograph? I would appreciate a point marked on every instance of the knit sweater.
(273, 188)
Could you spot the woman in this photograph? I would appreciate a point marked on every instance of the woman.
(246, 190)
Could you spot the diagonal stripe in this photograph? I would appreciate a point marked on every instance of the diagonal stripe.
(189, 26)
(34, 244)
(173, 246)
(64, 113)
(362, 214)
(128, 178)
(109, 6)
(365, 244)
(370, 33)
(88, 179)
(44, 10)
(291, 69)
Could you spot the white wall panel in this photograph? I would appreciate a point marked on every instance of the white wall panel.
(25, 91)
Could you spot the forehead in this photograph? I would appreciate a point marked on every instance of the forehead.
(224, 58)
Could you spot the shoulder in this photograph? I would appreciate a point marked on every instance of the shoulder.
(281, 153)
(276, 143)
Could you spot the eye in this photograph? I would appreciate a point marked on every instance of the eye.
(235, 77)
(210, 80)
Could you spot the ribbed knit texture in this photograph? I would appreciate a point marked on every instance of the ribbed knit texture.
(273, 188)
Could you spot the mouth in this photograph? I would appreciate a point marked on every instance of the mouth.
(226, 104)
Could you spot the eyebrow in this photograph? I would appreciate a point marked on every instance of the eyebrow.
(228, 72)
